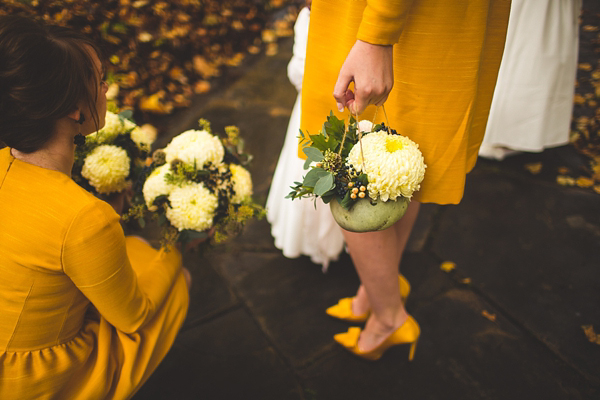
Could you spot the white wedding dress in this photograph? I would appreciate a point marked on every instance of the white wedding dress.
(533, 100)
(299, 228)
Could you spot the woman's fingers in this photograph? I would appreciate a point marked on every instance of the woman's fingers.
(340, 91)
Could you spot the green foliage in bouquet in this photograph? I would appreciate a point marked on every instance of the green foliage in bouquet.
(112, 159)
(330, 177)
(197, 187)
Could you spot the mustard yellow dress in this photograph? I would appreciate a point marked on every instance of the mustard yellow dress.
(446, 59)
(84, 312)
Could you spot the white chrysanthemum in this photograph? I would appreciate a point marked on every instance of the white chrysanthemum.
(113, 127)
(106, 168)
(156, 185)
(142, 138)
(242, 183)
(195, 146)
(394, 165)
(192, 207)
(365, 125)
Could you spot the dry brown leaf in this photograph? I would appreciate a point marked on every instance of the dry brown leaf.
(596, 74)
(592, 336)
(578, 99)
(236, 60)
(563, 170)
(585, 66)
(204, 68)
(177, 74)
(279, 112)
(253, 49)
(534, 168)
(447, 266)
(268, 36)
(466, 281)
(272, 49)
(488, 315)
(597, 189)
(590, 28)
(201, 87)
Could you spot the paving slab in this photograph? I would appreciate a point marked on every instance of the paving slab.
(535, 254)
(226, 358)
(210, 295)
(460, 355)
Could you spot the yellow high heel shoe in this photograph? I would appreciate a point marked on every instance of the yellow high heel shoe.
(408, 333)
(343, 309)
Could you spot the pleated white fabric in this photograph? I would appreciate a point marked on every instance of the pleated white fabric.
(533, 100)
(297, 226)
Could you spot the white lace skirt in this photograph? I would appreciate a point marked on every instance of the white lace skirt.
(299, 228)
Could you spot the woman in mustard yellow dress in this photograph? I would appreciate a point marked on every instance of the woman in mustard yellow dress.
(85, 313)
(434, 63)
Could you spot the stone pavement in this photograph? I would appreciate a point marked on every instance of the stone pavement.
(257, 329)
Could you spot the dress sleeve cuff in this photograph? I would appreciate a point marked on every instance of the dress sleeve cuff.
(383, 21)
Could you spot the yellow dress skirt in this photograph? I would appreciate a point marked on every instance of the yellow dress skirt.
(446, 60)
(85, 313)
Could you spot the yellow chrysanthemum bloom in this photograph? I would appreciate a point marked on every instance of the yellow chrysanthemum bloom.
(242, 183)
(195, 146)
(192, 207)
(106, 168)
(393, 163)
(156, 185)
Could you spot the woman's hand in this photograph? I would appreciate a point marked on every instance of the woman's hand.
(370, 67)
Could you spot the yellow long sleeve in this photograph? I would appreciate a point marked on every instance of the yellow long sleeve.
(95, 258)
(383, 21)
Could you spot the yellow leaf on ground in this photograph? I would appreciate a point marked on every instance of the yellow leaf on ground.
(591, 334)
(564, 180)
(272, 49)
(488, 315)
(534, 168)
(253, 49)
(447, 266)
(579, 99)
(584, 182)
(279, 112)
(204, 68)
(466, 281)
(154, 104)
(585, 66)
(268, 36)
(590, 28)
(597, 189)
(201, 87)
(563, 170)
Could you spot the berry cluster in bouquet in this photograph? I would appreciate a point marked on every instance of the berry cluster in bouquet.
(197, 187)
(112, 160)
(367, 173)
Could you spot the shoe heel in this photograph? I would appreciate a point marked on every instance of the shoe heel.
(413, 348)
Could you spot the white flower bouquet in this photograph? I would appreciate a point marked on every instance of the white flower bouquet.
(367, 173)
(198, 185)
(112, 159)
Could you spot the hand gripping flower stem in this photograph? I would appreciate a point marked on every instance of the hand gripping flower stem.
(370, 67)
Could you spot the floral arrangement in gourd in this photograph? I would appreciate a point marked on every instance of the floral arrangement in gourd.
(197, 184)
(360, 161)
(112, 159)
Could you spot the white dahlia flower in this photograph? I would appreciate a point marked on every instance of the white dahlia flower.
(106, 168)
(112, 128)
(156, 185)
(394, 165)
(195, 146)
(242, 183)
(192, 207)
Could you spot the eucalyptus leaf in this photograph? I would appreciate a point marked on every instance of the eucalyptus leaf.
(142, 222)
(310, 180)
(313, 154)
(324, 184)
(347, 201)
(307, 163)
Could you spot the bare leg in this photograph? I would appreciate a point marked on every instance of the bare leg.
(376, 257)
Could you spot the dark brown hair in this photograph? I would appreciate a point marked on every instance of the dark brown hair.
(45, 71)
